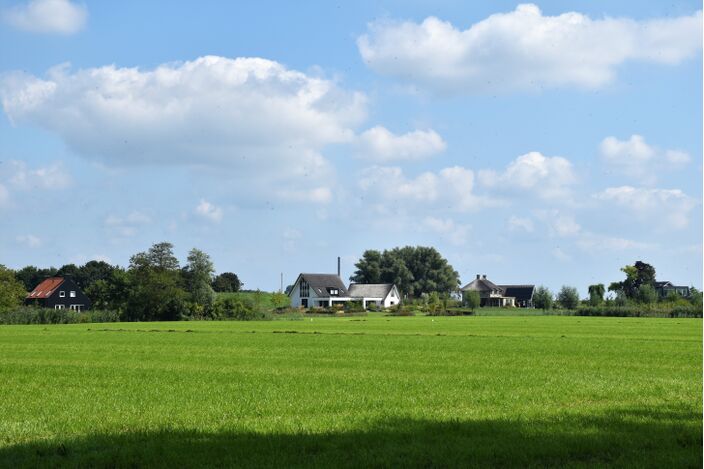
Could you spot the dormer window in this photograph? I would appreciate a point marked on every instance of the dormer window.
(333, 291)
(62, 294)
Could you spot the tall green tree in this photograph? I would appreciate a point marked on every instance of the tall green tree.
(12, 291)
(568, 297)
(156, 286)
(368, 268)
(647, 294)
(227, 282)
(596, 294)
(542, 298)
(198, 274)
(414, 269)
(472, 299)
(637, 274)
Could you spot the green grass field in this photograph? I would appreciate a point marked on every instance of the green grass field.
(349, 392)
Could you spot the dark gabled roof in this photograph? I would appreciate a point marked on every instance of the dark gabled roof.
(370, 290)
(520, 292)
(320, 283)
(46, 288)
(481, 284)
(662, 284)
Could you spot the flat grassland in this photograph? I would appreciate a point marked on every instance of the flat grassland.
(350, 392)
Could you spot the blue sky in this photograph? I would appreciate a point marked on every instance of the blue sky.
(546, 143)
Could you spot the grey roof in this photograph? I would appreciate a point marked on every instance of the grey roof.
(481, 284)
(370, 290)
(321, 282)
(520, 292)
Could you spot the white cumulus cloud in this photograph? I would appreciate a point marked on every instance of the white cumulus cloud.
(450, 188)
(382, 146)
(636, 158)
(665, 208)
(524, 49)
(209, 211)
(252, 116)
(520, 224)
(47, 16)
(549, 177)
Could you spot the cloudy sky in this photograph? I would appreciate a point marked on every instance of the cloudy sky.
(545, 143)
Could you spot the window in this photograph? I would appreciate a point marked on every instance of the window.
(304, 289)
(76, 307)
(62, 294)
(72, 294)
(59, 306)
(333, 291)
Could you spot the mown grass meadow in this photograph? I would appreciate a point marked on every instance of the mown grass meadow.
(354, 391)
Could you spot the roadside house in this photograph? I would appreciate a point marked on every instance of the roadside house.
(58, 293)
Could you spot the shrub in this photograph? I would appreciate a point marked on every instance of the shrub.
(37, 315)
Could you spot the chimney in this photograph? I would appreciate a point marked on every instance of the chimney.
(478, 276)
(484, 276)
(338, 266)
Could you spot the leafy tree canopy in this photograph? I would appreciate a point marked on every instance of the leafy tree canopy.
(227, 282)
(12, 291)
(414, 269)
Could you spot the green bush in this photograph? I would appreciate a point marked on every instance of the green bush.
(37, 315)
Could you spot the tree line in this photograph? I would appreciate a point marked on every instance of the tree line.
(154, 287)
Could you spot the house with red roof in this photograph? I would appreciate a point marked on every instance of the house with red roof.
(58, 293)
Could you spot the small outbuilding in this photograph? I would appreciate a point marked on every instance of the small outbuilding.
(58, 293)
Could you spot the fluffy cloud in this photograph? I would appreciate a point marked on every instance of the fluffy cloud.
(44, 177)
(47, 16)
(520, 224)
(252, 116)
(634, 157)
(126, 226)
(382, 146)
(548, 177)
(453, 232)
(29, 240)
(450, 188)
(524, 49)
(209, 211)
(662, 207)
(18, 176)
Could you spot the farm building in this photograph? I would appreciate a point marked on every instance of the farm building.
(58, 293)
(492, 294)
(665, 288)
(325, 290)
(381, 294)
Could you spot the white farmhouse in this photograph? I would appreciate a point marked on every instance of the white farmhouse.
(318, 290)
(325, 290)
(381, 294)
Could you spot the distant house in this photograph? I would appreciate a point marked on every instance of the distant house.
(491, 294)
(58, 293)
(326, 290)
(381, 294)
(665, 288)
(523, 294)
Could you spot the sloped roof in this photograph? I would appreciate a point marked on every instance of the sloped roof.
(520, 292)
(321, 282)
(662, 284)
(370, 290)
(481, 284)
(46, 288)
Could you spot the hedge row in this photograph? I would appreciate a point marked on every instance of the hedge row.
(35, 315)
